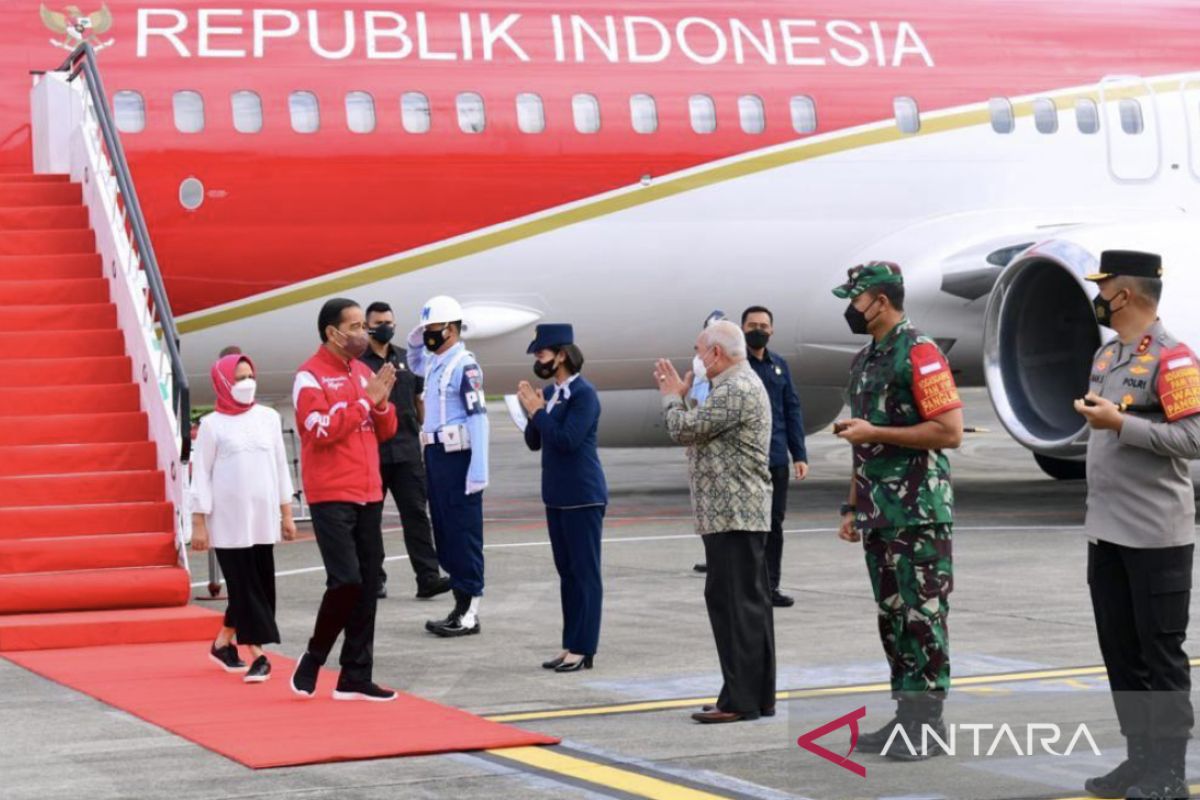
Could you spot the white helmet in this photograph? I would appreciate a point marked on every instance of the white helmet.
(441, 309)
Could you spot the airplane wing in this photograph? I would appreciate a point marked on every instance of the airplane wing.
(55, 21)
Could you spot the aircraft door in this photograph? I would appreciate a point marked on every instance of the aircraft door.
(1189, 94)
(1131, 128)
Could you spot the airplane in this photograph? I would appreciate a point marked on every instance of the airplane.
(630, 168)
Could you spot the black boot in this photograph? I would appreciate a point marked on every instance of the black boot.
(462, 601)
(1116, 783)
(917, 713)
(874, 741)
(1165, 777)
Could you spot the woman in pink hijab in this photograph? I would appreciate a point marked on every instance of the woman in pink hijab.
(241, 505)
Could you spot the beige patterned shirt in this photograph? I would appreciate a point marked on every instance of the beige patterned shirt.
(728, 440)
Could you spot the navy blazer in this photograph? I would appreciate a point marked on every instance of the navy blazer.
(571, 471)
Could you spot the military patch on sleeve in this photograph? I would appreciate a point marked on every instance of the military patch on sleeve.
(933, 385)
(473, 397)
(1179, 382)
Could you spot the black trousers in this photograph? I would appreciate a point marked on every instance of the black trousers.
(743, 622)
(1140, 598)
(780, 478)
(250, 581)
(406, 482)
(350, 537)
(575, 535)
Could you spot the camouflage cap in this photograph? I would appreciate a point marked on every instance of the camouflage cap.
(867, 276)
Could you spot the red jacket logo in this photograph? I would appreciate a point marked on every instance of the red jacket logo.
(809, 741)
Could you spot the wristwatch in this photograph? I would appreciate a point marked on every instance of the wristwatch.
(847, 508)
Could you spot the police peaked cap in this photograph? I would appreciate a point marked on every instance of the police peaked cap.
(554, 334)
(1131, 263)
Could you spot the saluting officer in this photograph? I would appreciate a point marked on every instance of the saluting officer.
(905, 411)
(455, 441)
(1144, 411)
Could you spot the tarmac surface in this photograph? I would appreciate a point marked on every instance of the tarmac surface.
(1023, 648)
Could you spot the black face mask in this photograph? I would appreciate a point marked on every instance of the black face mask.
(383, 333)
(545, 369)
(857, 320)
(435, 339)
(1104, 310)
(757, 339)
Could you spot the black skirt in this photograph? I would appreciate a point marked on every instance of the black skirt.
(250, 580)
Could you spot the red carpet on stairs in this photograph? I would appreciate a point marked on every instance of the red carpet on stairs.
(87, 538)
(176, 687)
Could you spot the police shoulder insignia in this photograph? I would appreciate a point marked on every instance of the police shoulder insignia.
(1179, 382)
(933, 386)
(1144, 345)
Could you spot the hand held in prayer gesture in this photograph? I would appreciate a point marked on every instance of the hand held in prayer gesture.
(668, 380)
(531, 399)
(379, 388)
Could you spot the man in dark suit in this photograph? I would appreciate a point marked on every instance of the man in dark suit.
(400, 457)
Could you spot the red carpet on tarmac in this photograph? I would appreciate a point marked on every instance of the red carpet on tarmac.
(175, 686)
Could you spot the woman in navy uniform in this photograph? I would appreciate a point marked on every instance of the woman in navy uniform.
(563, 419)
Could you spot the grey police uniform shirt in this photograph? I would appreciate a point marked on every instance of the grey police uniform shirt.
(1139, 491)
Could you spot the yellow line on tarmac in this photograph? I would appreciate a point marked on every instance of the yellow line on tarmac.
(544, 759)
(794, 694)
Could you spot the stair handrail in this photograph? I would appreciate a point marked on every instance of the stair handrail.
(82, 61)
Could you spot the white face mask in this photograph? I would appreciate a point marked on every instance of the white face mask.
(698, 369)
(243, 391)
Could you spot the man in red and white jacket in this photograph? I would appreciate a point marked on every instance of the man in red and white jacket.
(342, 411)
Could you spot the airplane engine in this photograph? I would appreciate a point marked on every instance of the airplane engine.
(1040, 333)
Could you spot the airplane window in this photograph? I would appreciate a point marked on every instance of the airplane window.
(531, 113)
(643, 112)
(471, 115)
(1131, 116)
(247, 112)
(1087, 115)
(586, 110)
(1045, 115)
(414, 112)
(908, 116)
(1001, 112)
(189, 111)
(305, 113)
(703, 113)
(804, 114)
(751, 114)
(130, 110)
(360, 112)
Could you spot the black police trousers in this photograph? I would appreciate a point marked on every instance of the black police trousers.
(350, 538)
(780, 478)
(1140, 598)
(406, 482)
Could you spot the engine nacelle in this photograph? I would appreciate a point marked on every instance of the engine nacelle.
(1040, 333)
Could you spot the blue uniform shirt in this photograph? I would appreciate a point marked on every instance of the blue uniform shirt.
(566, 434)
(465, 403)
(787, 420)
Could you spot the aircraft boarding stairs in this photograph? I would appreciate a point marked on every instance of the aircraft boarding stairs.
(93, 402)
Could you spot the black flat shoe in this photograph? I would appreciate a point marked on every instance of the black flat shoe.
(431, 590)
(583, 663)
(552, 663)
(701, 567)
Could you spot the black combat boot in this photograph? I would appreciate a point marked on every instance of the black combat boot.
(874, 741)
(917, 714)
(1116, 783)
(1165, 777)
(462, 601)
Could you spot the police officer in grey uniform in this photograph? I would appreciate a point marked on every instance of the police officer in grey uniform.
(1143, 407)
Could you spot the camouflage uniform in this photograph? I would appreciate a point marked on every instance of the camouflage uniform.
(903, 497)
